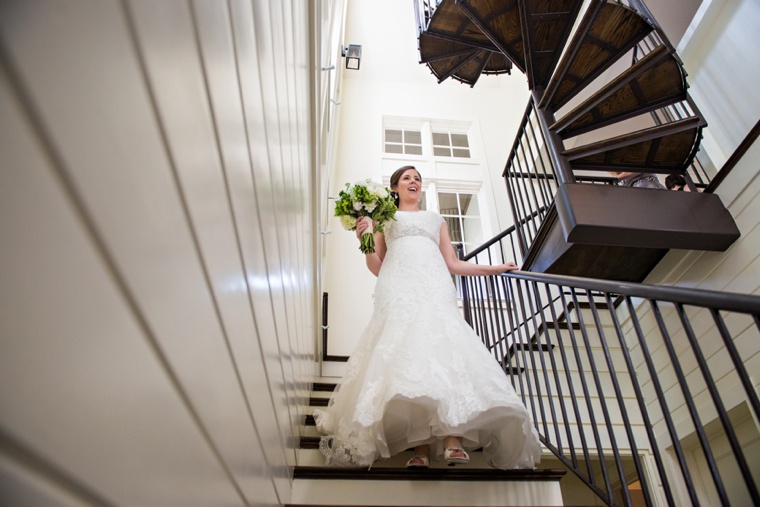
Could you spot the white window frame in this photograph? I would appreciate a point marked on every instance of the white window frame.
(403, 143)
(441, 173)
(449, 133)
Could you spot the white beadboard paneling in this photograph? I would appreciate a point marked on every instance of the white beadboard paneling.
(82, 387)
(736, 270)
(298, 203)
(280, 68)
(248, 53)
(272, 72)
(167, 44)
(181, 129)
(220, 66)
(132, 197)
(300, 32)
(21, 486)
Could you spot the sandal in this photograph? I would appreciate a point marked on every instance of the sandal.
(456, 460)
(418, 462)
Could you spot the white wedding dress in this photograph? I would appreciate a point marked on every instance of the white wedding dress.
(419, 372)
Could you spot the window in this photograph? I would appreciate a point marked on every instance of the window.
(461, 212)
(404, 141)
(446, 153)
(448, 144)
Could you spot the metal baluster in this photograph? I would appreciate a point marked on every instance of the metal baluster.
(689, 401)
(571, 385)
(545, 333)
(639, 398)
(587, 396)
(603, 398)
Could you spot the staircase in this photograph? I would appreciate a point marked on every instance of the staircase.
(388, 482)
(599, 231)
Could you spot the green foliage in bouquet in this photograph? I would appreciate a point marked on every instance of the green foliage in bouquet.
(365, 199)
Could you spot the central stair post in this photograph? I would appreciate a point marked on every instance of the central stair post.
(554, 142)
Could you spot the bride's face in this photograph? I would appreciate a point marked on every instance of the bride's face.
(409, 186)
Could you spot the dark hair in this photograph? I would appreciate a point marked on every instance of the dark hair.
(675, 180)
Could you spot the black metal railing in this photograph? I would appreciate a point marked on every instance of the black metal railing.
(627, 383)
(530, 178)
(532, 170)
(423, 11)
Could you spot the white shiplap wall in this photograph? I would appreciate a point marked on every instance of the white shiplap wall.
(156, 251)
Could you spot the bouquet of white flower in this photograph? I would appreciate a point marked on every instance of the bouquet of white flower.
(365, 199)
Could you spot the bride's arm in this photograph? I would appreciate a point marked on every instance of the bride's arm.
(374, 260)
(459, 267)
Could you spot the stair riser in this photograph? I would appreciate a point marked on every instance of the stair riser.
(439, 493)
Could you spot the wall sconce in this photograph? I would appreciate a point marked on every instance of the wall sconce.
(353, 54)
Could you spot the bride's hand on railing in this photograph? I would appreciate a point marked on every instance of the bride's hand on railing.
(509, 266)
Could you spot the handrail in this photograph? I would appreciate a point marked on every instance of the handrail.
(603, 366)
(737, 155)
(530, 178)
(731, 301)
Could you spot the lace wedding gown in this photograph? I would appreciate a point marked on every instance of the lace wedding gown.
(419, 372)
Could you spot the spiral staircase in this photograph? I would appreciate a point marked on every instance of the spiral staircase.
(562, 55)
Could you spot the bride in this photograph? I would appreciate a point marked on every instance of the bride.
(419, 376)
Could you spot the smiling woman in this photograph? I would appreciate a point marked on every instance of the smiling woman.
(419, 376)
(407, 180)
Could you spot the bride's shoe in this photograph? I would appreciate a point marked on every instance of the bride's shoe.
(418, 462)
(452, 460)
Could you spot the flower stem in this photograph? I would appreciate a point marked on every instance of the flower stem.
(367, 243)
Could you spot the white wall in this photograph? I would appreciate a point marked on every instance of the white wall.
(392, 82)
(720, 54)
(156, 256)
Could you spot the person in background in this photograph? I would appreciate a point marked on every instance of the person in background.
(676, 182)
(637, 180)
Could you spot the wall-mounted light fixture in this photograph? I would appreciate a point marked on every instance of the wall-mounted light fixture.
(353, 54)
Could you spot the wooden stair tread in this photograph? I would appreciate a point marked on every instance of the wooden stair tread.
(451, 46)
(653, 82)
(323, 387)
(499, 22)
(318, 402)
(551, 253)
(430, 474)
(531, 346)
(449, 20)
(576, 239)
(607, 31)
(548, 26)
(664, 148)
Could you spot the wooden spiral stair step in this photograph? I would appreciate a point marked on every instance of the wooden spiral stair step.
(655, 81)
(452, 46)
(607, 31)
(665, 148)
(532, 33)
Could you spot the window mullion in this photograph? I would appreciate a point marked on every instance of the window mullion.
(427, 139)
(431, 197)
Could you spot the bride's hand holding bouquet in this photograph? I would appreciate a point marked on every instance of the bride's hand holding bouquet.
(365, 199)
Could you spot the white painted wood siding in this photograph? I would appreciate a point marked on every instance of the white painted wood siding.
(156, 260)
